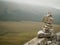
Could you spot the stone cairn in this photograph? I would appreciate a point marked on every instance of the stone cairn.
(48, 29)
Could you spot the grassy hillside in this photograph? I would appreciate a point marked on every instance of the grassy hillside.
(17, 33)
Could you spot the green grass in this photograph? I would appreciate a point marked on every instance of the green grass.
(18, 33)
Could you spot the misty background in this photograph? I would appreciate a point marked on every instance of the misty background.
(28, 10)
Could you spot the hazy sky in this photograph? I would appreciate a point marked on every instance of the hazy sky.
(50, 3)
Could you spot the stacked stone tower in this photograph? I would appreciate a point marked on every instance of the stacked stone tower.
(48, 21)
(48, 28)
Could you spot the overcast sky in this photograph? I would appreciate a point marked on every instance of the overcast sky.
(50, 3)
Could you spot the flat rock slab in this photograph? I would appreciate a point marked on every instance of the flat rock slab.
(34, 41)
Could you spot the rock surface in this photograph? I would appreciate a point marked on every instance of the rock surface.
(34, 41)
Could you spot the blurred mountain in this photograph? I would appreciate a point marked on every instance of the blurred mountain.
(11, 11)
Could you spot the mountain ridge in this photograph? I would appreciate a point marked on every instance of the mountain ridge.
(10, 11)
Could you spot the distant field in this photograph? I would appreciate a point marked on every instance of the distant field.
(17, 33)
